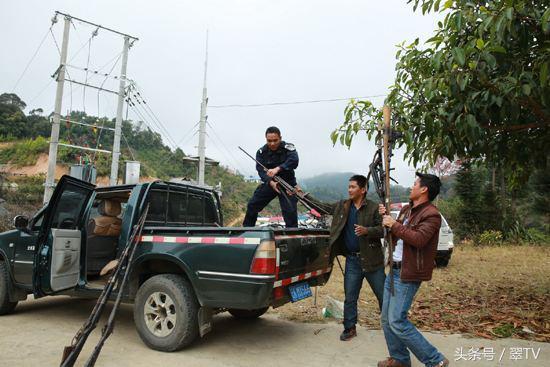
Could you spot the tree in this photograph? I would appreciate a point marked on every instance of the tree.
(468, 189)
(12, 99)
(12, 118)
(478, 89)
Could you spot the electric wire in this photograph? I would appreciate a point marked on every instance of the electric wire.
(293, 102)
(32, 58)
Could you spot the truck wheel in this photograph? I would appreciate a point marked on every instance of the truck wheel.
(247, 314)
(166, 313)
(6, 306)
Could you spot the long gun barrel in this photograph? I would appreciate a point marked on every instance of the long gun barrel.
(301, 196)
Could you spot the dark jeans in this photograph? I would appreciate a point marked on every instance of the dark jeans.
(401, 335)
(353, 281)
(263, 196)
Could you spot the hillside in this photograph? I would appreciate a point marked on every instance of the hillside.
(24, 148)
(334, 186)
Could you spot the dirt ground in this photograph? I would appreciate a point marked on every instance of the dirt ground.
(488, 292)
(35, 334)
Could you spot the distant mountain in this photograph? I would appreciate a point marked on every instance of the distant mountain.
(333, 186)
(328, 186)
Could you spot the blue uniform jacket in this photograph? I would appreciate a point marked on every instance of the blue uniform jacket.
(285, 157)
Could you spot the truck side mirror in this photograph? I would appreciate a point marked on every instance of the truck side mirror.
(21, 222)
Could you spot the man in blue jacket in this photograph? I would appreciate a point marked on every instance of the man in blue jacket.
(281, 159)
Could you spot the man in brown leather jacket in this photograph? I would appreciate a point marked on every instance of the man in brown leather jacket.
(415, 234)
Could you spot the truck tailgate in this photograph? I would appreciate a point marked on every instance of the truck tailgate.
(302, 254)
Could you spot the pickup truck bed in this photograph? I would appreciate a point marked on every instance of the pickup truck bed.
(219, 260)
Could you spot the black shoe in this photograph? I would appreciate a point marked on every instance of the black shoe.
(347, 334)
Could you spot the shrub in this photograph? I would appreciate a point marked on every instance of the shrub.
(489, 238)
(24, 153)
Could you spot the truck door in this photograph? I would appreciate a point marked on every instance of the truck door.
(25, 250)
(59, 240)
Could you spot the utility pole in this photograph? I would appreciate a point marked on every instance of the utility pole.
(202, 123)
(54, 139)
(120, 106)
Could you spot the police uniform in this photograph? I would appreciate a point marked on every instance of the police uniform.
(285, 157)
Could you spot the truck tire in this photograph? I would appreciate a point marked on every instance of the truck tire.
(166, 313)
(247, 314)
(6, 306)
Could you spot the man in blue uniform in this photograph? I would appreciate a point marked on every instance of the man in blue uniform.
(281, 159)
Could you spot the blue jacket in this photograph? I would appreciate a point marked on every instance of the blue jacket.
(285, 157)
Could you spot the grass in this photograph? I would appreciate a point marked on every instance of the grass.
(24, 153)
(489, 292)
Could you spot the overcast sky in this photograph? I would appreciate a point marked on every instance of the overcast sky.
(259, 52)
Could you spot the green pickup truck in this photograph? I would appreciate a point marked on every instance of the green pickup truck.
(187, 266)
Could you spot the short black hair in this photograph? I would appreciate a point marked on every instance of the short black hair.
(432, 182)
(361, 181)
(273, 130)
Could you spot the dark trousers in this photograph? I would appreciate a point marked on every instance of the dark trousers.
(353, 280)
(262, 197)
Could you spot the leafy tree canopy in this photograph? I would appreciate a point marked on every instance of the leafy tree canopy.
(478, 89)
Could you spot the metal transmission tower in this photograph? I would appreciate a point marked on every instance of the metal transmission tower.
(60, 75)
(202, 123)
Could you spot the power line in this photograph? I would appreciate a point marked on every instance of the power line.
(225, 147)
(141, 101)
(294, 102)
(187, 133)
(32, 58)
(99, 90)
(144, 111)
(96, 73)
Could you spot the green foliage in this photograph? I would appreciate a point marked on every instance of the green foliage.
(489, 238)
(24, 153)
(450, 207)
(13, 100)
(505, 330)
(28, 190)
(539, 187)
(468, 191)
(478, 89)
(538, 237)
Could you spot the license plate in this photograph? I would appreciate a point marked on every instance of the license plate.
(299, 291)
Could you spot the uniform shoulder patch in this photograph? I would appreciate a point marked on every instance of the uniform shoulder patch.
(260, 151)
(290, 146)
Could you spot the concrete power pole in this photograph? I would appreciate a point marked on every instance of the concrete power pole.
(202, 123)
(54, 139)
(120, 106)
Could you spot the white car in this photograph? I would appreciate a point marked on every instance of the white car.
(444, 247)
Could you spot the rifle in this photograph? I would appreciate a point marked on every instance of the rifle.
(379, 170)
(300, 195)
(71, 353)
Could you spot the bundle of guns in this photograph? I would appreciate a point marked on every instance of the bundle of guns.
(379, 170)
(118, 278)
(288, 189)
